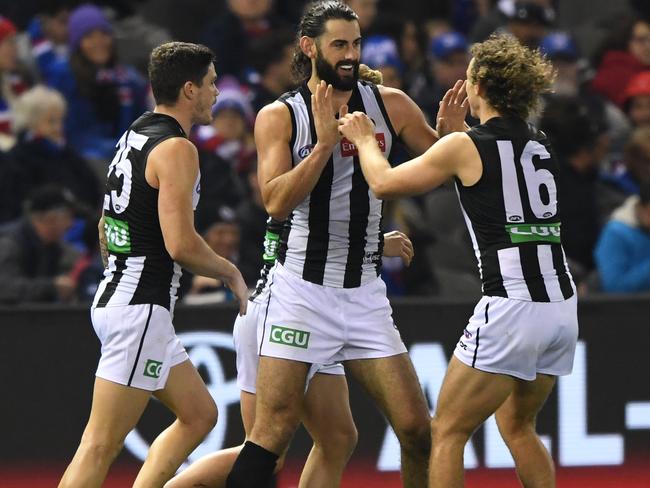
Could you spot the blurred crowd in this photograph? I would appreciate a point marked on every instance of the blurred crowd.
(73, 78)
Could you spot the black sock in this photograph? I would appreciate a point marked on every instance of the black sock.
(253, 468)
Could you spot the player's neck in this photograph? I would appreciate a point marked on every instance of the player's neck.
(183, 118)
(487, 112)
(338, 97)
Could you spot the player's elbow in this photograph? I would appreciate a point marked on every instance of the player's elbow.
(178, 249)
(381, 190)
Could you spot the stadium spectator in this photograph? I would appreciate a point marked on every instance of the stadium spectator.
(367, 12)
(48, 36)
(11, 83)
(231, 33)
(380, 52)
(623, 250)
(223, 236)
(625, 53)
(230, 134)
(271, 57)
(580, 143)
(103, 96)
(529, 22)
(571, 71)
(35, 262)
(626, 175)
(251, 216)
(637, 99)
(449, 60)
(41, 153)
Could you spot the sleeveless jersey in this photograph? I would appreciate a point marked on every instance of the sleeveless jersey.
(513, 214)
(333, 236)
(140, 270)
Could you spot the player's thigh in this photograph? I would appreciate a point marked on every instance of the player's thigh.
(524, 403)
(392, 383)
(326, 413)
(468, 397)
(280, 387)
(115, 410)
(186, 395)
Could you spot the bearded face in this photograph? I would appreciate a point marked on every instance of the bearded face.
(342, 76)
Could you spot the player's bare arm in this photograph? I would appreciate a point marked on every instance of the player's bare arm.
(283, 186)
(173, 167)
(103, 245)
(454, 155)
(408, 120)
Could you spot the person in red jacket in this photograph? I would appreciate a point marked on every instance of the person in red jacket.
(622, 59)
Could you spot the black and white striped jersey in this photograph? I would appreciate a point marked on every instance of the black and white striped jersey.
(140, 270)
(333, 236)
(513, 214)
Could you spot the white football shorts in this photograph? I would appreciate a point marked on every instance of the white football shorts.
(312, 323)
(139, 345)
(520, 338)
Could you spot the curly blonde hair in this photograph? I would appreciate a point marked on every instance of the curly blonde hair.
(366, 73)
(512, 75)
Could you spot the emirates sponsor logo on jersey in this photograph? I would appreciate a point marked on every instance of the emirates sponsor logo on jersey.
(348, 149)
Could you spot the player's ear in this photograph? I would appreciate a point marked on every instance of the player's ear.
(308, 46)
(188, 90)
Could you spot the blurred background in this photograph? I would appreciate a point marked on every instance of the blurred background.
(73, 78)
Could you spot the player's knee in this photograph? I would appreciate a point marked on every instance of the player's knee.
(101, 448)
(339, 442)
(512, 429)
(414, 435)
(446, 431)
(202, 418)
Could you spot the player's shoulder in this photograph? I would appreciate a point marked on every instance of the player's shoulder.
(275, 115)
(174, 148)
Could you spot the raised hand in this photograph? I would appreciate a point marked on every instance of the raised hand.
(398, 244)
(453, 110)
(324, 116)
(356, 126)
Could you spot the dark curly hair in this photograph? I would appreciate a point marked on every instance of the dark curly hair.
(512, 75)
(312, 24)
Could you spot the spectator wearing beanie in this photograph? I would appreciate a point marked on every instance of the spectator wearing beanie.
(103, 97)
(637, 99)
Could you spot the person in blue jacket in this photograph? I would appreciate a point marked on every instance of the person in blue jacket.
(623, 250)
(104, 97)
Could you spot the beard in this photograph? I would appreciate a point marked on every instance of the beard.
(328, 73)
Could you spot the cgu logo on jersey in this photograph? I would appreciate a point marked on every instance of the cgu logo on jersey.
(117, 235)
(534, 233)
(289, 337)
(348, 149)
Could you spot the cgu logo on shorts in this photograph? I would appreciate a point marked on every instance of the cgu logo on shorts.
(289, 337)
(348, 149)
(152, 368)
